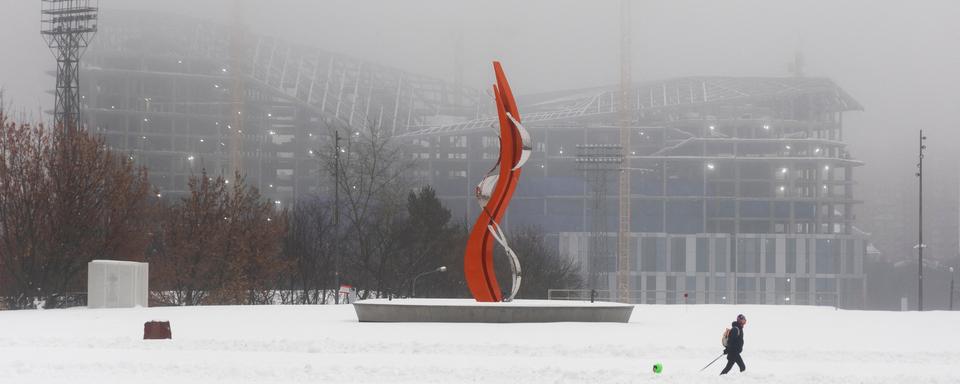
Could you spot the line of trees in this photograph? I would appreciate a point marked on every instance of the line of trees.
(67, 199)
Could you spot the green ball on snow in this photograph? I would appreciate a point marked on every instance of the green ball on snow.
(657, 368)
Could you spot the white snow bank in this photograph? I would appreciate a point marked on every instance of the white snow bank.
(325, 344)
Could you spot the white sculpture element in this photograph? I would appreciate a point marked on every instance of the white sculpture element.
(117, 284)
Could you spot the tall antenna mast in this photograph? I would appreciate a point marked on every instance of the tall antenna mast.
(623, 235)
(68, 26)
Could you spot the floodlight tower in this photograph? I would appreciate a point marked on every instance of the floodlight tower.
(68, 27)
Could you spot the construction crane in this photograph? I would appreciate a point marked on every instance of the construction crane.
(235, 129)
(625, 120)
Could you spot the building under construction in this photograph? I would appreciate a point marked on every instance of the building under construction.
(740, 188)
(180, 95)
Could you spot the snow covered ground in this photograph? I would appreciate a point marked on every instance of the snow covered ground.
(326, 344)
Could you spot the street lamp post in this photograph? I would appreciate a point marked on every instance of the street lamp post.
(951, 288)
(413, 285)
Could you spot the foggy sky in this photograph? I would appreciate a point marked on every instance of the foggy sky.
(898, 58)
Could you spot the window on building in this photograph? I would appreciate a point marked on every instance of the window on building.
(703, 254)
(828, 285)
(851, 251)
(781, 286)
(720, 208)
(791, 259)
(458, 141)
(651, 289)
(661, 254)
(770, 250)
(720, 255)
(748, 256)
(720, 287)
(824, 256)
(648, 254)
(490, 142)
(746, 290)
(763, 288)
(672, 290)
(836, 251)
(678, 254)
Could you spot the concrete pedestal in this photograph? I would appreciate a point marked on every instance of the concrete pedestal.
(470, 311)
(117, 284)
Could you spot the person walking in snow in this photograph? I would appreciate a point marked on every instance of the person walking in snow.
(735, 345)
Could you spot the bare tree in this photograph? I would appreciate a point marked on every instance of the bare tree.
(220, 245)
(253, 247)
(308, 247)
(65, 199)
(372, 186)
(182, 255)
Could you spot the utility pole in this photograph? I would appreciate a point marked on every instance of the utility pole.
(336, 215)
(920, 245)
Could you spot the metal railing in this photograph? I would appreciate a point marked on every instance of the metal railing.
(701, 297)
(67, 300)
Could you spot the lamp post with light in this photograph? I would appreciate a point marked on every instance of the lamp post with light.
(413, 285)
(951, 288)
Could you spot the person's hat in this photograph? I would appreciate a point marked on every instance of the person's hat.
(741, 317)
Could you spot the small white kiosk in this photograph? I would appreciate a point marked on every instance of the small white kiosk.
(117, 284)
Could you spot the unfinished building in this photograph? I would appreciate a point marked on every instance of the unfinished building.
(180, 95)
(741, 188)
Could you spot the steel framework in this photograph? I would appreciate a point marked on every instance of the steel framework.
(180, 94)
(597, 161)
(67, 27)
(678, 94)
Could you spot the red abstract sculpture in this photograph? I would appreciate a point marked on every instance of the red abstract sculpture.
(493, 194)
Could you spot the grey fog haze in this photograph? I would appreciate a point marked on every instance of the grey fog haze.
(897, 58)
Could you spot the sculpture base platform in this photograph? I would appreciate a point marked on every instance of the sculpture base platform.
(471, 311)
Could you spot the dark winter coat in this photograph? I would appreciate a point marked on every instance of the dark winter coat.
(735, 340)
